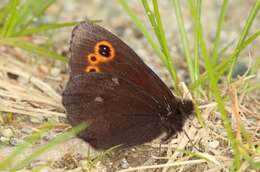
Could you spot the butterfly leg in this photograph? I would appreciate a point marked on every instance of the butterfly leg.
(169, 131)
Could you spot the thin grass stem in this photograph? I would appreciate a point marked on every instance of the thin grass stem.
(221, 19)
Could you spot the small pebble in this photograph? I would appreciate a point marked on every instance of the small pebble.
(4, 140)
(44, 69)
(133, 149)
(213, 144)
(23, 80)
(26, 130)
(7, 132)
(120, 30)
(55, 71)
(15, 141)
(45, 169)
(49, 136)
(100, 167)
(54, 119)
(36, 120)
(12, 76)
(34, 164)
(240, 69)
(124, 164)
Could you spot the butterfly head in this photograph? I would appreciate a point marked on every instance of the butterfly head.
(175, 113)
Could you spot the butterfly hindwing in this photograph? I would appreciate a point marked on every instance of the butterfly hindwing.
(111, 105)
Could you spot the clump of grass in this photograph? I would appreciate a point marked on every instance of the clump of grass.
(215, 66)
(17, 21)
(9, 163)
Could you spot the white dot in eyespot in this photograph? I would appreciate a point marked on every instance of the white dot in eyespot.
(115, 80)
(98, 99)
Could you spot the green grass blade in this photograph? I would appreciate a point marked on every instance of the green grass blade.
(243, 35)
(164, 45)
(44, 28)
(220, 24)
(30, 10)
(3, 13)
(149, 38)
(151, 16)
(59, 139)
(225, 64)
(196, 17)
(19, 150)
(153, 22)
(195, 8)
(256, 66)
(254, 163)
(213, 82)
(8, 161)
(32, 48)
(252, 88)
(250, 40)
(160, 30)
(9, 23)
(225, 48)
(184, 38)
(141, 27)
(220, 69)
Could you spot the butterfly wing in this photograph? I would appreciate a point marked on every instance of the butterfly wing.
(110, 87)
(95, 48)
(118, 111)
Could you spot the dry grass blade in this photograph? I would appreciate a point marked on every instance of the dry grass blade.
(18, 108)
(190, 162)
(182, 143)
(30, 95)
(235, 110)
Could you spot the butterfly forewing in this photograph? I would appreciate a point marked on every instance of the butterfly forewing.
(125, 63)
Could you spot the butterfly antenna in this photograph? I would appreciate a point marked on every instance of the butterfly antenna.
(167, 104)
(191, 141)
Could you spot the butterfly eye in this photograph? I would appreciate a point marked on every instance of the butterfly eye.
(105, 50)
(92, 69)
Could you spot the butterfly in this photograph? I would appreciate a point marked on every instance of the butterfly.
(116, 93)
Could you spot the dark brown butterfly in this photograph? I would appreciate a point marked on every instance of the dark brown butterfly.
(113, 90)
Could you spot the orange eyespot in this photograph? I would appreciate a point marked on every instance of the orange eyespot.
(92, 69)
(93, 59)
(105, 50)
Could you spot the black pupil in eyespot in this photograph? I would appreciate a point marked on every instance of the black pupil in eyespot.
(92, 70)
(104, 50)
(93, 58)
